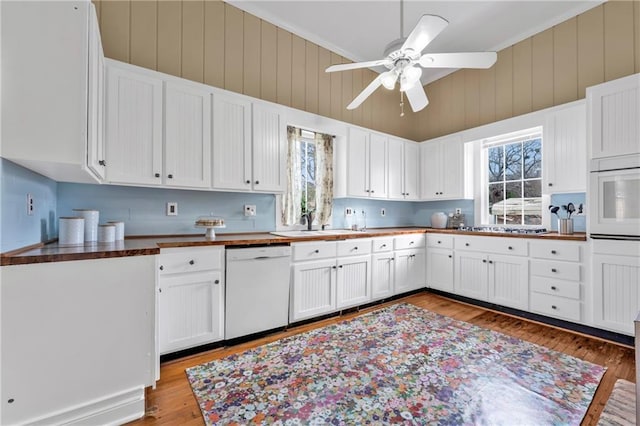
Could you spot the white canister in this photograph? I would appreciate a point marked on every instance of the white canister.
(119, 229)
(439, 220)
(106, 233)
(91, 219)
(70, 231)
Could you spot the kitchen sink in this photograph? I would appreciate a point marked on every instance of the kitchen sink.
(314, 233)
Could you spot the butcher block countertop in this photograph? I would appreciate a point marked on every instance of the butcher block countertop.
(151, 245)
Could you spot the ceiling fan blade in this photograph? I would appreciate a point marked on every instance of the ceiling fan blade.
(356, 65)
(417, 97)
(366, 92)
(458, 60)
(427, 28)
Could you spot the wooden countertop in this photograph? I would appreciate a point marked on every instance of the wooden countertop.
(151, 245)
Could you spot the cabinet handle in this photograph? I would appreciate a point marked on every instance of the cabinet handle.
(510, 248)
(334, 266)
(553, 252)
(550, 184)
(450, 256)
(392, 259)
(554, 270)
(407, 194)
(410, 242)
(247, 182)
(383, 246)
(355, 248)
(554, 307)
(216, 282)
(102, 163)
(439, 242)
(157, 174)
(170, 176)
(339, 266)
(192, 262)
(159, 290)
(484, 260)
(553, 287)
(316, 251)
(491, 261)
(367, 190)
(257, 182)
(161, 268)
(466, 244)
(372, 191)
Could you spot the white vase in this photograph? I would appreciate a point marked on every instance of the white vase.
(439, 220)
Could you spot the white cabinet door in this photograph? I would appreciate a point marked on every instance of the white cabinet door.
(231, 143)
(382, 275)
(96, 98)
(410, 270)
(565, 150)
(133, 127)
(314, 289)
(616, 292)
(396, 169)
(452, 168)
(377, 166)
(509, 281)
(613, 109)
(191, 310)
(269, 150)
(187, 133)
(430, 170)
(358, 163)
(411, 170)
(440, 269)
(353, 281)
(471, 275)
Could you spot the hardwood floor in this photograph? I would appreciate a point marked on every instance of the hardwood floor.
(172, 402)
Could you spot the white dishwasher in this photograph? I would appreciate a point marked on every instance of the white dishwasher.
(257, 293)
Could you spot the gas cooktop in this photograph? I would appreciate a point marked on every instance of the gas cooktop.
(503, 230)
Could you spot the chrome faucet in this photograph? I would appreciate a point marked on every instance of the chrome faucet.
(309, 216)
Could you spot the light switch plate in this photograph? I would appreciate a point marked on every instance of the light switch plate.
(249, 210)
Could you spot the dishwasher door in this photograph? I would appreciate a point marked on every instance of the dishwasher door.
(257, 289)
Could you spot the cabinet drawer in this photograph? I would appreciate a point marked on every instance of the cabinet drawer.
(354, 247)
(554, 250)
(493, 245)
(189, 259)
(569, 289)
(559, 270)
(382, 244)
(409, 241)
(555, 306)
(440, 241)
(314, 250)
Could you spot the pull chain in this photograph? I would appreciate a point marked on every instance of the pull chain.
(401, 104)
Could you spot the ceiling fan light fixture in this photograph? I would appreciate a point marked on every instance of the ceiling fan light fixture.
(388, 79)
(410, 77)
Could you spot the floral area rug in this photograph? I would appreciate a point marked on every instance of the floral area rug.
(401, 364)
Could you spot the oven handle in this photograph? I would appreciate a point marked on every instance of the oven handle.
(615, 237)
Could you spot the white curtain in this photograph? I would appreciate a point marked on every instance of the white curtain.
(324, 177)
(291, 201)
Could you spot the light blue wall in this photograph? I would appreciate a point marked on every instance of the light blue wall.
(17, 229)
(424, 210)
(144, 209)
(397, 213)
(579, 221)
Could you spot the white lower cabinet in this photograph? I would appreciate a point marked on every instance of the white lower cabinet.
(471, 275)
(508, 283)
(190, 297)
(616, 285)
(409, 270)
(314, 289)
(440, 262)
(353, 283)
(382, 275)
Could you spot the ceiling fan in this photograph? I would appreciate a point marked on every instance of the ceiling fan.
(404, 59)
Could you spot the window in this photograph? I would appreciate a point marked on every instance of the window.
(310, 177)
(512, 193)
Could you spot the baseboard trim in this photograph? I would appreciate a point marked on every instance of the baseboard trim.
(117, 408)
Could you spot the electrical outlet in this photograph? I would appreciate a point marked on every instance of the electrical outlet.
(348, 211)
(172, 209)
(29, 205)
(458, 211)
(383, 212)
(249, 210)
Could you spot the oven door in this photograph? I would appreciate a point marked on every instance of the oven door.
(615, 203)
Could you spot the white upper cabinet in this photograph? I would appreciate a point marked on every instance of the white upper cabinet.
(52, 89)
(366, 164)
(269, 149)
(613, 109)
(442, 171)
(187, 135)
(133, 126)
(231, 143)
(565, 150)
(403, 170)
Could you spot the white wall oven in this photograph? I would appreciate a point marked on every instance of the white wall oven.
(615, 198)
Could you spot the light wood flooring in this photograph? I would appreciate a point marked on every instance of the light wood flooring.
(172, 402)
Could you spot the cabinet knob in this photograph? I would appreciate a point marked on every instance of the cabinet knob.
(161, 268)
(192, 262)
(407, 194)
(170, 176)
(491, 261)
(316, 251)
(372, 191)
(247, 182)
(510, 248)
(553, 252)
(410, 242)
(439, 242)
(157, 174)
(436, 193)
(450, 256)
(383, 246)
(554, 270)
(257, 182)
(340, 266)
(355, 248)
(334, 266)
(484, 260)
(550, 184)
(466, 244)
(553, 287)
(554, 307)
(102, 163)
(367, 190)
(216, 282)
